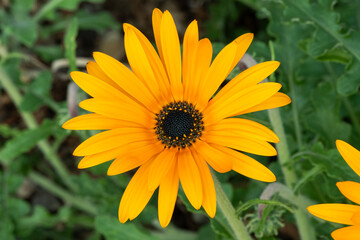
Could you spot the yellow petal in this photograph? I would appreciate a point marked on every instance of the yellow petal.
(208, 187)
(356, 218)
(243, 128)
(129, 158)
(119, 110)
(136, 196)
(213, 155)
(350, 154)
(95, 121)
(240, 101)
(351, 190)
(251, 168)
(190, 178)
(346, 233)
(243, 43)
(126, 80)
(156, 22)
(154, 60)
(277, 100)
(112, 139)
(241, 143)
(190, 44)
(247, 78)
(97, 88)
(170, 45)
(94, 70)
(98, 158)
(199, 67)
(160, 167)
(333, 212)
(140, 64)
(168, 191)
(217, 72)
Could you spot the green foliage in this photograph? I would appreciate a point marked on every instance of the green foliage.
(26, 140)
(112, 229)
(37, 93)
(317, 44)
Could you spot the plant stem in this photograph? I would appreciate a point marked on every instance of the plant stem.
(31, 123)
(228, 210)
(63, 194)
(305, 228)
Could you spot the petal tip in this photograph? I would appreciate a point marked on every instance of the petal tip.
(164, 223)
(77, 152)
(65, 125)
(82, 165)
(339, 143)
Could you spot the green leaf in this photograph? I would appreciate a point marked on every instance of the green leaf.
(25, 29)
(7, 229)
(89, 21)
(30, 102)
(326, 21)
(25, 141)
(49, 53)
(187, 204)
(333, 164)
(255, 202)
(70, 43)
(7, 131)
(37, 91)
(349, 82)
(72, 5)
(173, 233)
(112, 229)
(17, 208)
(22, 6)
(221, 227)
(42, 83)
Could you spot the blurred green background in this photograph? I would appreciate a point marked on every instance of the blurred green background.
(44, 196)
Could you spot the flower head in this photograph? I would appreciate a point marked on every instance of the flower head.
(344, 213)
(161, 116)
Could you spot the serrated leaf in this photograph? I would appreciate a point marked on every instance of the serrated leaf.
(349, 82)
(325, 120)
(337, 54)
(255, 202)
(326, 22)
(112, 229)
(332, 163)
(25, 141)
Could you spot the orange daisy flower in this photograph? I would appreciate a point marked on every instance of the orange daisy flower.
(344, 213)
(161, 116)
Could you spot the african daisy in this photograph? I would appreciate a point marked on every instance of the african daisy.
(162, 117)
(344, 213)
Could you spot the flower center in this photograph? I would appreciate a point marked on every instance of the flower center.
(179, 124)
